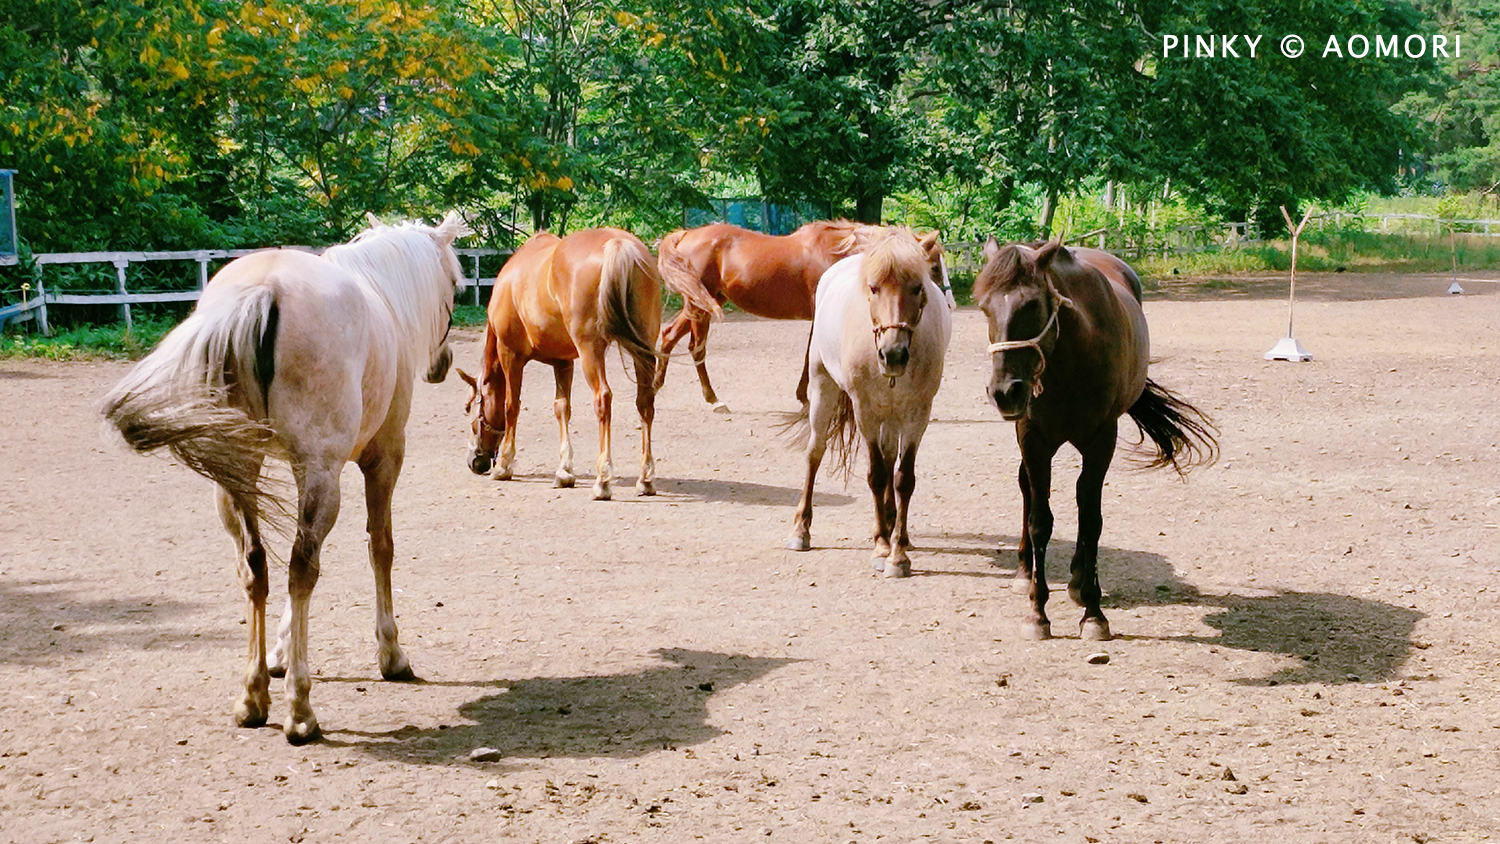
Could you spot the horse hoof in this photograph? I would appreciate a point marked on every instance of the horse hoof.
(799, 543)
(720, 407)
(645, 488)
(277, 671)
(564, 482)
(601, 493)
(900, 568)
(500, 475)
(1094, 630)
(303, 732)
(251, 715)
(1037, 632)
(399, 673)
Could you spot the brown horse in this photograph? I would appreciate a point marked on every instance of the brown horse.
(309, 359)
(558, 300)
(1070, 351)
(765, 275)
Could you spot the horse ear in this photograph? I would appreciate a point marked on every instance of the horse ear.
(931, 246)
(991, 249)
(373, 220)
(473, 388)
(452, 227)
(1048, 252)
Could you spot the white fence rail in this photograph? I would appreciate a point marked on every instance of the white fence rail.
(34, 306)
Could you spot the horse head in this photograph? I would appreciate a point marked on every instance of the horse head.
(451, 228)
(933, 246)
(484, 440)
(895, 272)
(1017, 294)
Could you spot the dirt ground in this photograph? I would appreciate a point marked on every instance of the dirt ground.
(1307, 640)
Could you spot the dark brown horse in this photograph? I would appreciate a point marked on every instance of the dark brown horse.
(1070, 351)
(558, 300)
(766, 275)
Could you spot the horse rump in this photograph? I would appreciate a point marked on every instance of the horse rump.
(202, 395)
(625, 262)
(680, 276)
(1182, 434)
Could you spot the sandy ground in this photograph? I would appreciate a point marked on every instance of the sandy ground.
(1307, 651)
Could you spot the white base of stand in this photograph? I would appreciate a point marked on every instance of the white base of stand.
(1454, 288)
(1288, 349)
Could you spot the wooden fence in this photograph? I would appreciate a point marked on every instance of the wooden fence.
(37, 299)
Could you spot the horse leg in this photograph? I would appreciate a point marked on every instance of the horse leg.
(317, 510)
(242, 524)
(645, 405)
(879, 479)
(1083, 587)
(381, 470)
(699, 347)
(562, 406)
(905, 483)
(821, 408)
(593, 372)
(671, 335)
(505, 466)
(1037, 456)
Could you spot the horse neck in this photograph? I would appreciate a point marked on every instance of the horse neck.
(405, 270)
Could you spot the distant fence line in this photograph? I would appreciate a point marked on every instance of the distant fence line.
(35, 306)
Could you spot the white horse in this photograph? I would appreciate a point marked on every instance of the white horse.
(880, 330)
(310, 359)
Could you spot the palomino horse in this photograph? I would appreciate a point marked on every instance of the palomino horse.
(1070, 351)
(876, 359)
(558, 300)
(310, 359)
(766, 275)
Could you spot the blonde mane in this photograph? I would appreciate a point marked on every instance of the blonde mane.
(897, 253)
(411, 266)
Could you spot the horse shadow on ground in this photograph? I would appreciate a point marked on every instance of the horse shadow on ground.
(742, 492)
(1332, 638)
(609, 715)
(40, 622)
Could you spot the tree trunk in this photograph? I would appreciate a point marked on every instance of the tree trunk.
(1049, 208)
(868, 206)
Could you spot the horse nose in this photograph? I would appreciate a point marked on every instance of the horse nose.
(479, 463)
(896, 357)
(1010, 395)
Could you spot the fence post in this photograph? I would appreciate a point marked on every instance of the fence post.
(41, 304)
(202, 273)
(120, 265)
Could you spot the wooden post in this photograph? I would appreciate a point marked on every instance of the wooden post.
(120, 265)
(202, 273)
(41, 304)
(1288, 348)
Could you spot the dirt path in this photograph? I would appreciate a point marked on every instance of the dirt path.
(1317, 613)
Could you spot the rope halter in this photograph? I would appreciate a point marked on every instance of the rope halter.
(1036, 342)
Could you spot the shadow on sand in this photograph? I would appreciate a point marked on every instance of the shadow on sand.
(611, 715)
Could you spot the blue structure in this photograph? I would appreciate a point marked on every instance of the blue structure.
(9, 245)
(756, 214)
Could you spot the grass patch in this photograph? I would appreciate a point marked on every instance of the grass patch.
(469, 316)
(89, 342)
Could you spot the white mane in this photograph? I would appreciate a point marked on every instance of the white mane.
(414, 269)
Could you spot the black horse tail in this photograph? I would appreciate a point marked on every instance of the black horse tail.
(1183, 434)
(843, 435)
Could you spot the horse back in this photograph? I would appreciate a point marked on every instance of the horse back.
(1111, 346)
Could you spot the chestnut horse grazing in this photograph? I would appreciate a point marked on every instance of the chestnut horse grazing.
(1070, 351)
(310, 359)
(766, 275)
(876, 360)
(558, 300)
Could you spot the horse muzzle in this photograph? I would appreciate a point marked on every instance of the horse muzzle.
(439, 369)
(1012, 398)
(894, 358)
(480, 463)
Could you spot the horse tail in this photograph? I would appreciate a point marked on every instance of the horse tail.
(625, 261)
(202, 395)
(843, 435)
(1183, 434)
(682, 278)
